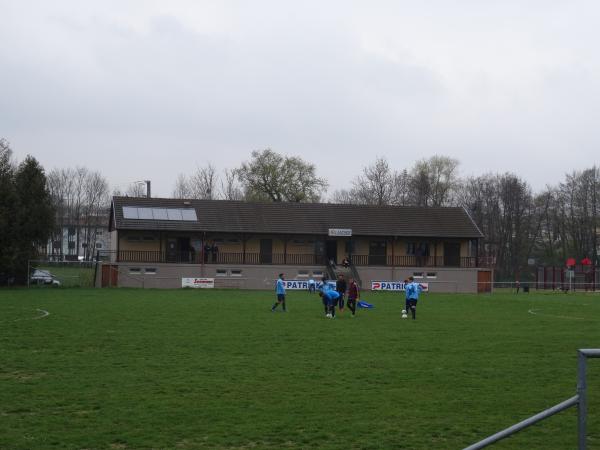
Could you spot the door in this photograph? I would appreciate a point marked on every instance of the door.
(266, 251)
(452, 254)
(331, 250)
(484, 281)
(184, 250)
(377, 253)
(110, 275)
(171, 250)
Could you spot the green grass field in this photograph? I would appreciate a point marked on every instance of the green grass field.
(215, 369)
(69, 274)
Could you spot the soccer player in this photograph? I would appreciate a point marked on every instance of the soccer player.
(412, 293)
(340, 287)
(406, 293)
(353, 295)
(280, 291)
(324, 283)
(311, 286)
(330, 299)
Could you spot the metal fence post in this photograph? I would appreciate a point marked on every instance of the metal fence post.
(582, 405)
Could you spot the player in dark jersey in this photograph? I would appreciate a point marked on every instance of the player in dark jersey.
(353, 295)
(340, 287)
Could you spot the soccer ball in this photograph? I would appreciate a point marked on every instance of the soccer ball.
(403, 312)
(404, 316)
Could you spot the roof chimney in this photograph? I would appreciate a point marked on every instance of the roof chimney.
(148, 188)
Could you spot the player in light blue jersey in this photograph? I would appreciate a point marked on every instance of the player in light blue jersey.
(280, 292)
(412, 296)
(330, 299)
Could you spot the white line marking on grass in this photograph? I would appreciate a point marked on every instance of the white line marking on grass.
(535, 313)
(44, 314)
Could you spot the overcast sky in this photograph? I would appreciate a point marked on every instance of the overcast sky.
(150, 89)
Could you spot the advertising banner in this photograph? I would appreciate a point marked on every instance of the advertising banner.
(303, 285)
(394, 286)
(203, 283)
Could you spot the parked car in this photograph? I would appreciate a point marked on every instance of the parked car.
(43, 277)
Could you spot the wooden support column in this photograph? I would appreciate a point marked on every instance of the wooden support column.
(244, 240)
(393, 257)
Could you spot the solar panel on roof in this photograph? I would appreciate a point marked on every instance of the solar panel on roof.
(160, 214)
(145, 213)
(174, 214)
(141, 213)
(189, 214)
(130, 212)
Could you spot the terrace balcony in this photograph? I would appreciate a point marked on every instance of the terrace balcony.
(190, 257)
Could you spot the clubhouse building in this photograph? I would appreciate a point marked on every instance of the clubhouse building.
(157, 242)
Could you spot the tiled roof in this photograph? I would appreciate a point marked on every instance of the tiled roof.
(300, 218)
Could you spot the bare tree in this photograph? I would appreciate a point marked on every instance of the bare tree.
(136, 189)
(377, 185)
(182, 189)
(80, 198)
(230, 187)
(95, 209)
(202, 183)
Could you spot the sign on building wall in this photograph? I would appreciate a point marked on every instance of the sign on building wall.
(303, 285)
(198, 283)
(394, 286)
(340, 232)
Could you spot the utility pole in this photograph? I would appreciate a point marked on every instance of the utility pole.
(595, 227)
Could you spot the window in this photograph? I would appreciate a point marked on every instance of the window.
(133, 238)
(303, 273)
(410, 248)
(431, 274)
(135, 271)
(98, 245)
(233, 241)
(418, 274)
(297, 242)
(221, 272)
(150, 270)
(98, 232)
(422, 249)
(71, 244)
(236, 272)
(71, 231)
(148, 238)
(350, 247)
(317, 273)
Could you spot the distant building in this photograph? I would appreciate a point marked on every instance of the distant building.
(156, 242)
(79, 241)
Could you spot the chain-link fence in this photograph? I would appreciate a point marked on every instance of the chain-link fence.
(43, 273)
